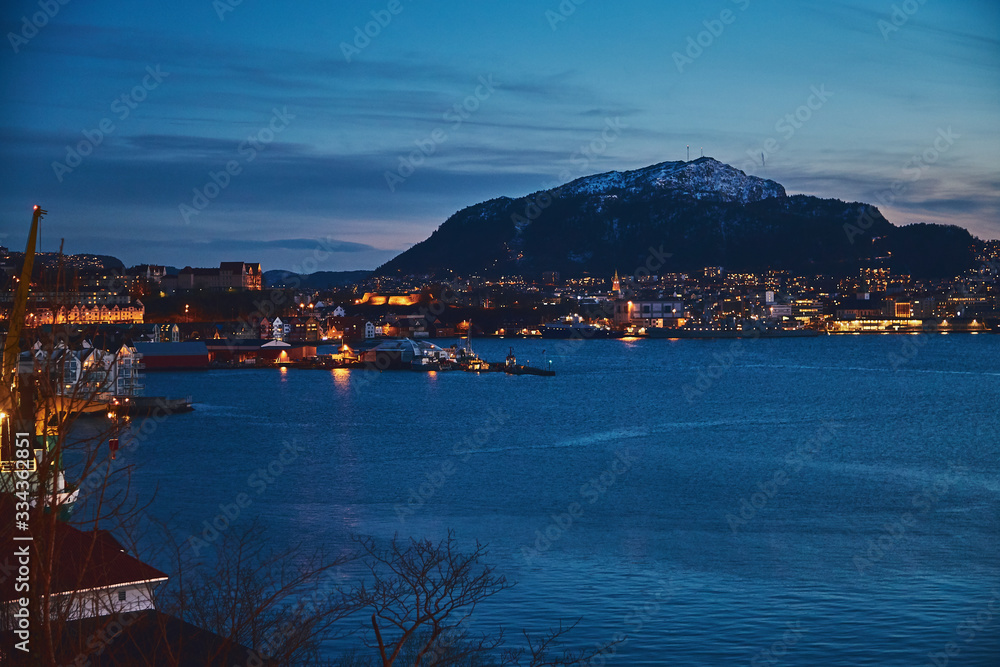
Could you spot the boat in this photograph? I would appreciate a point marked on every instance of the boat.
(425, 363)
(576, 329)
(511, 367)
(467, 360)
(474, 364)
(746, 329)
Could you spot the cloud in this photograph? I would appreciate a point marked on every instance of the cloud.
(251, 245)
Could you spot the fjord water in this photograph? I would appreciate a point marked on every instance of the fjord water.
(833, 501)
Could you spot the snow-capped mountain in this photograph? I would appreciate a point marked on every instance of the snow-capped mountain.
(699, 213)
(704, 178)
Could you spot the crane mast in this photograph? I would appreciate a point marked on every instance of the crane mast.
(12, 346)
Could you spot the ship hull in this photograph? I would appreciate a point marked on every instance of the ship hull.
(655, 332)
(564, 333)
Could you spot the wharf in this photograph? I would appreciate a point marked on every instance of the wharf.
(146, 405)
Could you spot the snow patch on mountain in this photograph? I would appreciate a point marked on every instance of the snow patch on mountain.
(704, 178)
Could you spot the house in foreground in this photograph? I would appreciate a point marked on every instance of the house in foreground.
(104, 604)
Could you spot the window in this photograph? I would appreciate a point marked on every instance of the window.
(121, 595)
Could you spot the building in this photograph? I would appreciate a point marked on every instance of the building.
(241, 275)
(350, 329)
(780, 310)
(169, 333)
(148, 272)
(279, 329)
(133, 313)
(402, 352)
(173, 356)
(229, 276)
(857, 309)
(373, 299)
(103, 600)
(93, 575)
(108, 582)
(649, 312)
(417, 326)
(897, 308)
(139, 638)
(301, 329)
(89, 372)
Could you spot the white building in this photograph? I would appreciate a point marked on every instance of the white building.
(90, 372)
(649, 312)
(94, 577)
(279, 330)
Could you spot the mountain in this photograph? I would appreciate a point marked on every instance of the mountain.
(701, 213)
(319, 280)
(52, 261)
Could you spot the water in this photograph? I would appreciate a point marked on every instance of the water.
(833, 500)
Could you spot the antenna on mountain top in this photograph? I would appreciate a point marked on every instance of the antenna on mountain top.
(703, 151)
(689, 152)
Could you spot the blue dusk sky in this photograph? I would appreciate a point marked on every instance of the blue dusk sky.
(345, 148)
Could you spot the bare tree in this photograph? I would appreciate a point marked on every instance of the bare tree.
(423, 590)
(47, 409)
(280, 603)
(422, 595)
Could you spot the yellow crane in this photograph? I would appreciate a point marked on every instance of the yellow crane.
(32, 416)
(9, 411)
(12, 346)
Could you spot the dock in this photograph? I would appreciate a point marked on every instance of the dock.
(141, 406)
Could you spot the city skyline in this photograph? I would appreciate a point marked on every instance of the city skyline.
(310, 132)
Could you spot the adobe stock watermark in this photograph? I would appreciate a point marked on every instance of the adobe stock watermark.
(776, 651)
(102, 638)
(141, 432)
(435, 480)
(910, 346)
(122, 107)
(223, 7)
(697, 44)
(229, 513)
(591, 491)
(562, 13)
(30, 25)
(455, 116)
(247, 151)
(899, 17)
(892, 533)
(581, 160)
(789, 124)
(634, 622)
(914, 170)
(708, 375)
(967, 631)
(363, 35)
(794, 462)
(655, 260)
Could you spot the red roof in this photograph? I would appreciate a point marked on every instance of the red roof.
(85, 560)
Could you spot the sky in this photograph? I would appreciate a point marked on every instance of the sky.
(322, 135)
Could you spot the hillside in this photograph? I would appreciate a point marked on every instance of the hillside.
(701, 212)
